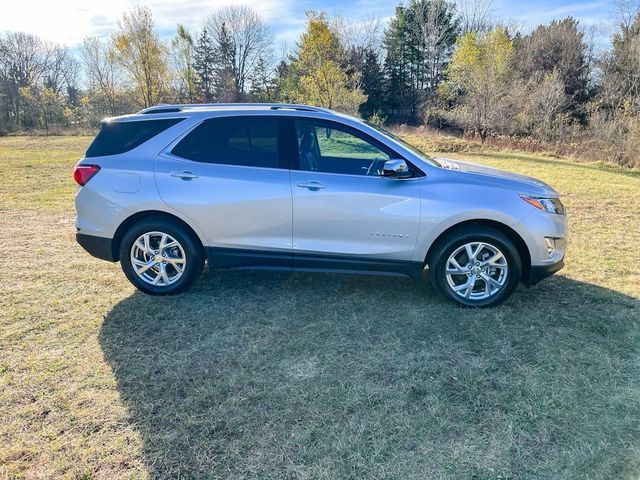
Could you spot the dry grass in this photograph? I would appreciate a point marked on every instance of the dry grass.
(274, 375)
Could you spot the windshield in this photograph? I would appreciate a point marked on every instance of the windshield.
(428, 159)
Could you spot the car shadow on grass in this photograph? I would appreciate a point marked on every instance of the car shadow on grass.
(276, 375)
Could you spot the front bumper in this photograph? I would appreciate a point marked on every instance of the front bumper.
(540, 272)
(99, 247)
(537, 229)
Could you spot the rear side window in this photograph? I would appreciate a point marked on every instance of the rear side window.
(245, 141)
(120, 137)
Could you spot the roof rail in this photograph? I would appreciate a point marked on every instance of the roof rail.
(160, 109)
(301, 108)
(179, 107)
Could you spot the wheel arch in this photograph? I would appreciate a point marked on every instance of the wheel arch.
(144, 215)
(518, 241)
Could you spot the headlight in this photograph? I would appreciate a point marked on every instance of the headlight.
(551, 205)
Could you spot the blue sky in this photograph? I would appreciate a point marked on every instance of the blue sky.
(589, 12)
(68, 21)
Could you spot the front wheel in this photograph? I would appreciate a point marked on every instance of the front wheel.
(160, 257)
(476, 267)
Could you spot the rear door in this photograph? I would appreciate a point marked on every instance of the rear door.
(228, 176)
(346, 215)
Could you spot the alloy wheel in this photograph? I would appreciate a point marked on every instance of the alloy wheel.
(158, 259)
(476, 271)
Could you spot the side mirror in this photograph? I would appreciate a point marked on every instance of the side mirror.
(396, 169)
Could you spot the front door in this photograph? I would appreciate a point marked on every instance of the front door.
(346, 215)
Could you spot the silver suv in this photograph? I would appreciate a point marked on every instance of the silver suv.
(293, 187)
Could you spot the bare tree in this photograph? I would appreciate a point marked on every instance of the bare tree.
(435, 31)
(23, 62)
(475, 15)
(249, 39)
(61, 69)
(560, 47)
(626, 11)
(101, 71)
(360, 36)
(621, 76)
(537, 102)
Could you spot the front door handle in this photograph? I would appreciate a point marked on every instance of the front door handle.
(184, 174)
(312, 185)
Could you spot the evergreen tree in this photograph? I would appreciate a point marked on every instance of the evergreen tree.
(204, 64)
(263, 87)
(397, 86)
(372, 85)
(353, 61)
(284, 82)
(225, 81)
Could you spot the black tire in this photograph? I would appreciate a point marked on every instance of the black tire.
(446, 247)
(191, 248)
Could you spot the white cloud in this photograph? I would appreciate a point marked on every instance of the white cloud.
(69, 21)
(62, 21)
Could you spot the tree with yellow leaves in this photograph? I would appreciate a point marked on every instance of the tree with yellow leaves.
(322, 81)
(139, 50)
(482, 68)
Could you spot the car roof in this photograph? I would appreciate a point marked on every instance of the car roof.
(207, 109)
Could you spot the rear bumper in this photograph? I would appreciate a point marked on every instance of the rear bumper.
(540, 272)
(99, 247)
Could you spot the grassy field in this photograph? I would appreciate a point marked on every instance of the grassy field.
(273, 375)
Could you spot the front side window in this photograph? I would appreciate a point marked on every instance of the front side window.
(328, 148)
(245, 141)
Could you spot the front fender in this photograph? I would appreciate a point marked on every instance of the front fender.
(432, 229)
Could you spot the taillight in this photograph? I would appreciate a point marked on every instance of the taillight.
(83, 173)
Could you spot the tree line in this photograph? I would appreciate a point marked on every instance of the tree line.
(444, 64)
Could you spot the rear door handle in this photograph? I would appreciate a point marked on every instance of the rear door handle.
(312, 185)
(185, 175)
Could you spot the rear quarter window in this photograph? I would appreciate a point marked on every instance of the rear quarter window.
(120, 137)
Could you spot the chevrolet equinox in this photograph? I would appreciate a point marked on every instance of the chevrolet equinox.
(300, 188)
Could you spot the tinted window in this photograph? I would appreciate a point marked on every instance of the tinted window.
(120, 137)
(331, 149)
(247, 141)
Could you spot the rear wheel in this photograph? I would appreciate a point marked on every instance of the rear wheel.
(476, 267)
(160, 257)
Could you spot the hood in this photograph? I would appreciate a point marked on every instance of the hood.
(500, 178)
